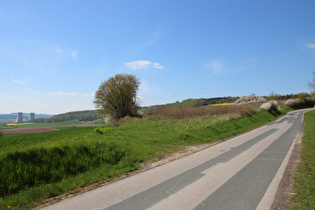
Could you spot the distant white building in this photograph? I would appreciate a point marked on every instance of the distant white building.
(19, 117)
(32, 116)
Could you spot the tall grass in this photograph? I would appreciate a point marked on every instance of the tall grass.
(24, 169)
(192, 112)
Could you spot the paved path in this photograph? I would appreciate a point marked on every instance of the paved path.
(241, 173)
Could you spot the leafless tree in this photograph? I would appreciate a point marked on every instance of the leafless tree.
(312, 83)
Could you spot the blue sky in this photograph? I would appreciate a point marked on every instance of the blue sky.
(54, 53)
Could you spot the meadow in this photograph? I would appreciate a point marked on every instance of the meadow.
(35, 167)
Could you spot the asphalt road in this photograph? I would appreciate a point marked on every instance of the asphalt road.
(241, 173)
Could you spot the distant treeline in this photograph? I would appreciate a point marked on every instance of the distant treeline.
(192, 103)
(89, 115)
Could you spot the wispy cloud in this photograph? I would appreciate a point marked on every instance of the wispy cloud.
(215, 67)
(63, 94)
(310, 45)
(157, 66)
(19, 82)
(153, 38)
(74, 55)
(144, 65)
(66, 51)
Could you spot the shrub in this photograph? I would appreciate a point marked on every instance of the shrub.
(270, 106)
(108, 120)
(298, 103)
(249, 99)
(292, 103)
(1, 134)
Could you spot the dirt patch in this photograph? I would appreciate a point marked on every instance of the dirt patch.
(28, 130)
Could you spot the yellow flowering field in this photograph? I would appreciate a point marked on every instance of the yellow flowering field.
(14, 124)
(223, 104)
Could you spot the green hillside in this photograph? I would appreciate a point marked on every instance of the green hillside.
(87, 115)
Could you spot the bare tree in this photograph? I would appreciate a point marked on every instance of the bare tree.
(312, 83)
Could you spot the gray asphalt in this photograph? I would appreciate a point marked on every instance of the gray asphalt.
(241, 173)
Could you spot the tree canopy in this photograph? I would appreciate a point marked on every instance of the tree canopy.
(117, 96)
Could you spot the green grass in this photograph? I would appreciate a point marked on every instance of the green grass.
(304, 187)
(7, 127)
(34, 167)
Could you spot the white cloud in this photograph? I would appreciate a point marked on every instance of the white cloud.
(19, 82)
(74, 55)
(143, 65)
(157, 66)
(216, 67)
(63, 94)
(58, 50)
(138, 65)
(310, 45)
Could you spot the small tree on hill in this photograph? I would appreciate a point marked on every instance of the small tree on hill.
(116, 96)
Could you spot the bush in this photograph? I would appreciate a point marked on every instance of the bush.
(270, 106)
(249, 99)
(298, 103)
(1, 134)
(292, 103)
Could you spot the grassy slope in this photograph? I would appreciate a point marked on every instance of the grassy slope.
(304, 197)
(129, 145)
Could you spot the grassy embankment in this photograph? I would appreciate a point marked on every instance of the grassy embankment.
(34, 167)
(304, 186)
